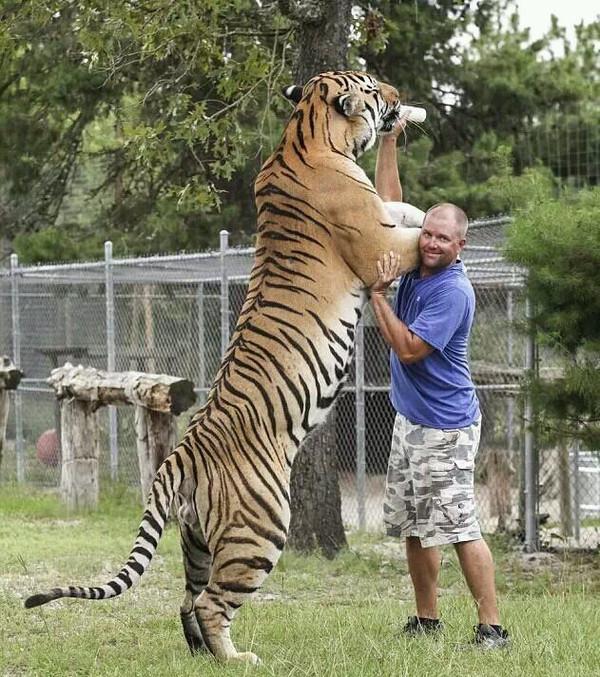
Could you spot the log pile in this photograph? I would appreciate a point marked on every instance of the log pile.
(157, 398)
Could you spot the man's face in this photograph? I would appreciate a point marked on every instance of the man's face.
(440, 242)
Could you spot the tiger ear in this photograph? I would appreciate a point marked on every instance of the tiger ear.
(349, 104)
(292, 93)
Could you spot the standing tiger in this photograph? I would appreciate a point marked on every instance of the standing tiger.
(321, 229)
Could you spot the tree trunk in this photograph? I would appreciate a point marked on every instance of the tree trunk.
(316, 504)
(322, 35)
(158, 398)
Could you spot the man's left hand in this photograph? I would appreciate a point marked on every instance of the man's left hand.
(398, 128)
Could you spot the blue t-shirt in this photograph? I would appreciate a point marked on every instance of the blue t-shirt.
(436, 391)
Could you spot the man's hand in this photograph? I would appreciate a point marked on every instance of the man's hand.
(408, 346)
(398, 128)
(388, 269)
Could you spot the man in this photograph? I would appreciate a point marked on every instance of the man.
(430, 483)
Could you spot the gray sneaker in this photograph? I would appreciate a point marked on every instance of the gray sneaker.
(491, 636)
(422, 626)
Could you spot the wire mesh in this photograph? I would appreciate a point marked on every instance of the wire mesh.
(171, 316)
(568, 145)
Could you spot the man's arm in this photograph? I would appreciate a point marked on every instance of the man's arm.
(387, 179)
(408, 347)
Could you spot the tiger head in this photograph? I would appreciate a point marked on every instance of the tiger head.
(357, 108)
(311, 185)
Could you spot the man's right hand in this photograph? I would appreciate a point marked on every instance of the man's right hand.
(388, 269)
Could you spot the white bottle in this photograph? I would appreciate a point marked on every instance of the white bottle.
(415, 114)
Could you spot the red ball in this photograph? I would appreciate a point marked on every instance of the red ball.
(47, 448)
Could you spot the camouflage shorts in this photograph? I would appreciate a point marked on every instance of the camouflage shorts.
(429, 487)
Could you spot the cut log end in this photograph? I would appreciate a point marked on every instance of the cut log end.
(10, 375)
(182, 396)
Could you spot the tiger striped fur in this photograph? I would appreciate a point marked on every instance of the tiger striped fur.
(321, 230)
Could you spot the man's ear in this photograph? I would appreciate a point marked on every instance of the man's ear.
(292, 93)
(349, 104)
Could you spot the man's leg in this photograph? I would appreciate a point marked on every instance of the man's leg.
(478, 568)
(424, 569)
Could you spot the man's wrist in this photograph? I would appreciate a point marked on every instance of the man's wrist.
(389, 139)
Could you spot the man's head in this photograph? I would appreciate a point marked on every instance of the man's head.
(443, 236)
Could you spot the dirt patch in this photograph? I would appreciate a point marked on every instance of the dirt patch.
(533, 562)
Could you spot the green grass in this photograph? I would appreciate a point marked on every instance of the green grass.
(590, 522)
(313, 617)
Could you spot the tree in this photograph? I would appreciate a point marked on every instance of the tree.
(145, 123)
(47, 97)
(487, 88)
(313, 20)
(558, 240)
(315, 493)
(149, 105)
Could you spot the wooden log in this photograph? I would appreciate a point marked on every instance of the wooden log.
(80, 452)
(156, 437)
(10, 377)
(159, 392)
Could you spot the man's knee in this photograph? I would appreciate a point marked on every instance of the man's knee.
(475, 549)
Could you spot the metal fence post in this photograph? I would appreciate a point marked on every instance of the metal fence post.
(577, 493)
(224, 246)
(111, 355)
(359, 392)
(16, 341)
(201, 341)
(531, 460)
(510, 400)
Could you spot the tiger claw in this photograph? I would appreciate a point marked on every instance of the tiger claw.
(247, 657)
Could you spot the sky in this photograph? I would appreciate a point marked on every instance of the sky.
(535, 14)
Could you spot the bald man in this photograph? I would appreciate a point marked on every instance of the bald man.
(429, 499)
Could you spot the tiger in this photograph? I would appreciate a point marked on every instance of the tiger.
(321, 228)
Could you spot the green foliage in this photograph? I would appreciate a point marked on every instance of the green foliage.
(488, 89)
(484, 182)
(559, 242)
(53, 245)
(167, 97)
(146, 123)
(568, 144)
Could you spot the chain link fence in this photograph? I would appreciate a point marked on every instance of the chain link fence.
(174, 315)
